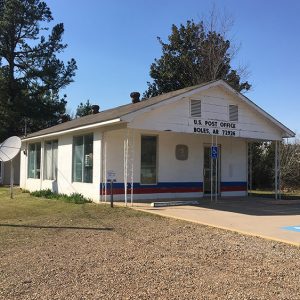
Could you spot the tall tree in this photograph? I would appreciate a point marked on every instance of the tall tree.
(263, 165)
(31, 72)
(193, 54)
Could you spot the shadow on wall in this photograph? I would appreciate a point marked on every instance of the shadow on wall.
(54, 187)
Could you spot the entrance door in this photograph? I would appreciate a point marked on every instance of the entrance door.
(211, 178)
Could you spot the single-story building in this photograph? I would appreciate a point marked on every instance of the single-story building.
(188, 143)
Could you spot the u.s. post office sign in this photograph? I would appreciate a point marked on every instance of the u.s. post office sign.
(213, 127)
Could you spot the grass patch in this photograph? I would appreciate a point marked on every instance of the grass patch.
(73, 198)
(24, 208)
(25, 211)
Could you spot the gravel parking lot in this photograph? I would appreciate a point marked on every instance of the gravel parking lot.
(93, 252)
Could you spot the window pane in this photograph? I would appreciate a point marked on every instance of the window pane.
(34, 160)
(38, 160)
(50, 172)
(88, 158)
(148, 159)
(31, 159)
(54, 160)
(83, 158)
(48, 161)
(78, 158)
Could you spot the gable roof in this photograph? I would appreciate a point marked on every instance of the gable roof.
(114, 115)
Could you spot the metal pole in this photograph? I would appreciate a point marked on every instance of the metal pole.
(101, 169)
(217, 183)
(124, 170)
(125, 165)
(279, 169)
(132, 162)
(11, 180)
(250, 173)
(105, 172)
(276, 170)
(111, 194)
(211, 170)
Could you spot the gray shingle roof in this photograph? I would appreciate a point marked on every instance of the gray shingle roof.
(113, 113)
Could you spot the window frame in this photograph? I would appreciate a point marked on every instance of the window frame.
(83, 136)
(237, 112)
(35, 169)
(194, 117)
(157, 158)
(45, 160)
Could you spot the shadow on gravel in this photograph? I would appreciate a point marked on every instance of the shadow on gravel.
(253, 206)
(57, 227)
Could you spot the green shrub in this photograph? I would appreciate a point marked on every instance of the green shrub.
(44, 193)
(73, 198)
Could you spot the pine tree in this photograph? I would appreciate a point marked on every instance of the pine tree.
(84, 109)
(31, 72)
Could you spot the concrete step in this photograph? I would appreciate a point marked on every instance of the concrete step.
(174, 203)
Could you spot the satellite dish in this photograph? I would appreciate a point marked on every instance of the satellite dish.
(10, 148)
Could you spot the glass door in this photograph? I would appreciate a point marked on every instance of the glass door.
(211, 171)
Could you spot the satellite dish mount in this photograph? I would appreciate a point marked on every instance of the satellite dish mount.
(9, 149)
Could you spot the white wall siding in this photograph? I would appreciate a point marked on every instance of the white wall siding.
(171, 169)
(214, 104)
(64, 183)
(173, 173)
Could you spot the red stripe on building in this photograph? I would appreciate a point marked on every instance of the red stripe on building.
(233, 188)
(120, 191)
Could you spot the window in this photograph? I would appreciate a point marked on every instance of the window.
(50, 169)
(34, 160)
(148, 159)
(233, 113)
(195, 108)
(1, 171)
(83, 158)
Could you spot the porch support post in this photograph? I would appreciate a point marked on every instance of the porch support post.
(105, 167)
(217, 182)
(132, 164)
(211, 170)
(250, 159)
(277, 170)
(125, 166)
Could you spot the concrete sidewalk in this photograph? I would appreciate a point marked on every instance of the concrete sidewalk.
(256, 217)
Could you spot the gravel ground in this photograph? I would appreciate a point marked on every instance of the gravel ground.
(131, 255)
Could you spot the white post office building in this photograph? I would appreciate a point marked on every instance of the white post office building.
(188, 143)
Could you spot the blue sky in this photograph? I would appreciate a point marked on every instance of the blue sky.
(114, 43)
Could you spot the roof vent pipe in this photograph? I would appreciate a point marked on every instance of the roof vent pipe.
(64, 118)
(95, 109)
(135, 97)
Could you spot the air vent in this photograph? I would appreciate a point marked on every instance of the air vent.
(196, 108)
(233, 113)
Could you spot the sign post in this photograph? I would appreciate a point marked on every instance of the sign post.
(214, 152)
(214, 156)
(111, 178)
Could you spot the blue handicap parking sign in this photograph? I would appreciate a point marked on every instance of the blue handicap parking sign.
(214, 152)
(292, 228)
